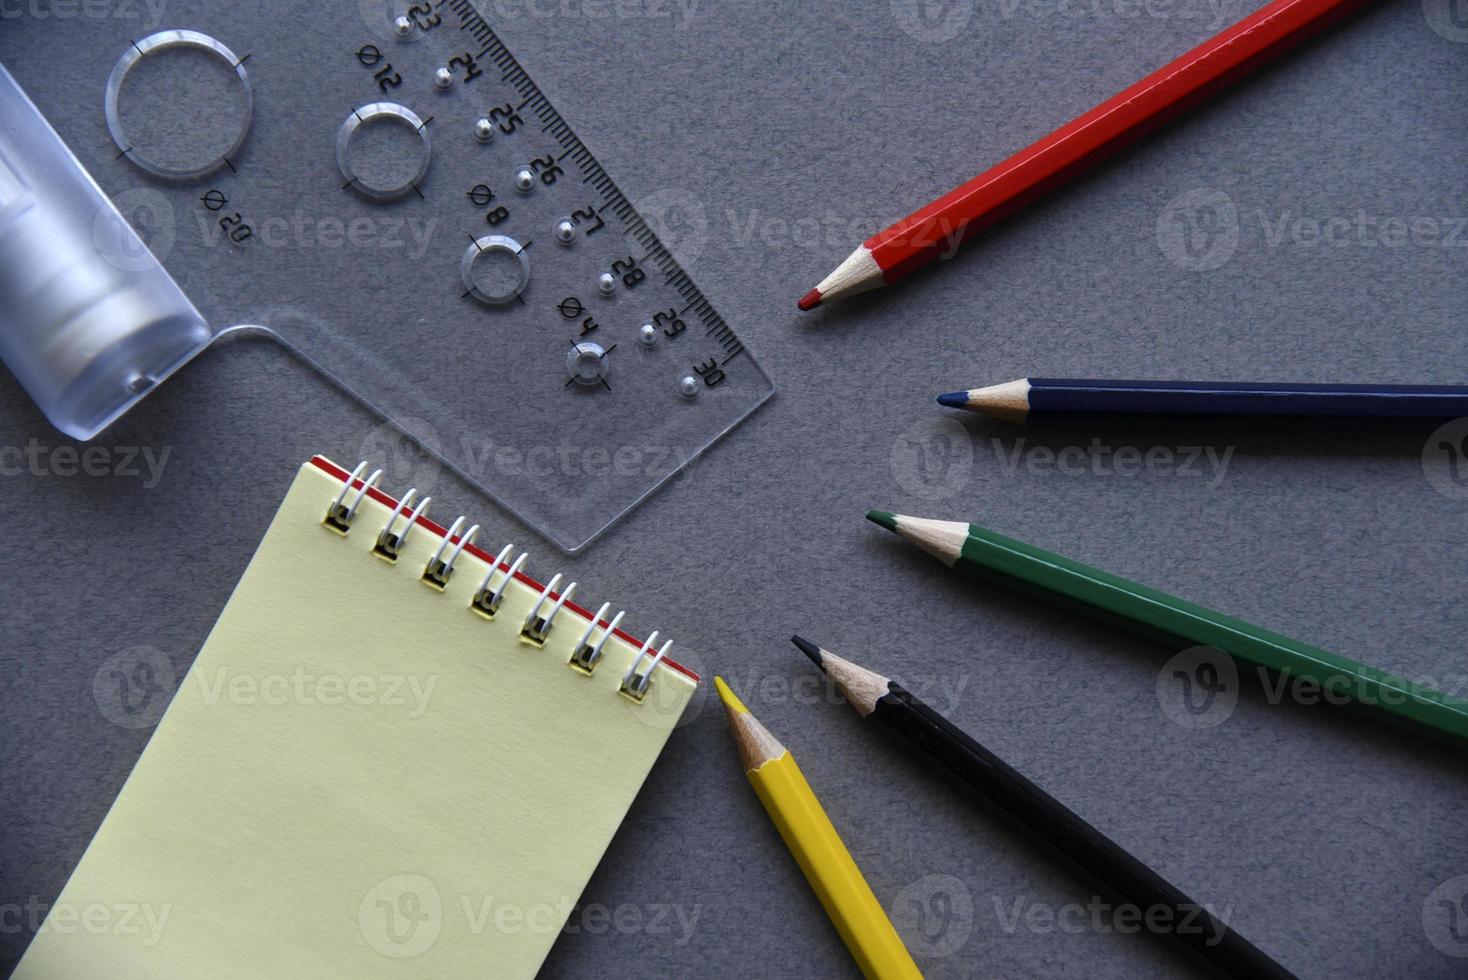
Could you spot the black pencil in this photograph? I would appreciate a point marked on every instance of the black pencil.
(1066, 400)
(878, 698)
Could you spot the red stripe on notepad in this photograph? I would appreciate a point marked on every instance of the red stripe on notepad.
(327, 466)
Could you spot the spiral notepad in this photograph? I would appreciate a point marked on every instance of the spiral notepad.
(396, 755)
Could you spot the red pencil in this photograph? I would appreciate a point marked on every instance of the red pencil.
(938, 228)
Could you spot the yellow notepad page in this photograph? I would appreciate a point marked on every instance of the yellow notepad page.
(361, 777)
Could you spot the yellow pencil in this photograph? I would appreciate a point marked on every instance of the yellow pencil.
(807, 831)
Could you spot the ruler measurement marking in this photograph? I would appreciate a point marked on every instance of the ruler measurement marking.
(472, 22)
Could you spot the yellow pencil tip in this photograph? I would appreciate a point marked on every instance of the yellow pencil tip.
(727, 696)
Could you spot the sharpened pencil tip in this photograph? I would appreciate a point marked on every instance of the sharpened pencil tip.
(954, 399)
(731, 702)
(810, 650)
(883, 518)
(810, 300)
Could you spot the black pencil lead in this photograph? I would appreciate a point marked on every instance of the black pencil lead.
(810, 650)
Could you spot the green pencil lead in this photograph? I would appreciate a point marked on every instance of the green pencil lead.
(883, 518)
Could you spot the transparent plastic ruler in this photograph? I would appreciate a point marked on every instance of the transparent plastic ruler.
(383, 188)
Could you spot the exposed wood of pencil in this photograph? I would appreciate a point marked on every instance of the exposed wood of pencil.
(1064, 400)
(880, 699)
(1009, 401)
(1154, 613)
(936, 229)
(817, 848)
(755, 743)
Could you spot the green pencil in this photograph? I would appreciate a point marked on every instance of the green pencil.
(993, 556)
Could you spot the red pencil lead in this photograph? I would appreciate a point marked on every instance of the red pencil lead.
(810, 300)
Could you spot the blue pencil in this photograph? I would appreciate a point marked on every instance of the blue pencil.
(1067, 400)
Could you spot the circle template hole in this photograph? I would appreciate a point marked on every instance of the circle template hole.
(178, 104)
(495, 269)
(383, 150)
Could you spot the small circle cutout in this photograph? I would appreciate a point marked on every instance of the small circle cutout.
(383, 150)
(495, 269)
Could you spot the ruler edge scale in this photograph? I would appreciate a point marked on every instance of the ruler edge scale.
(471, 21)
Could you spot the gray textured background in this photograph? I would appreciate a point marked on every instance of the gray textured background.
(1324, 833)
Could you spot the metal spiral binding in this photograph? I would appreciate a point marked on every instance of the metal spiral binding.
(586, 655)
(537, 627)
(486, 601)
(436, 573)
(634, 684)
(389, 543)
(339, 515)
